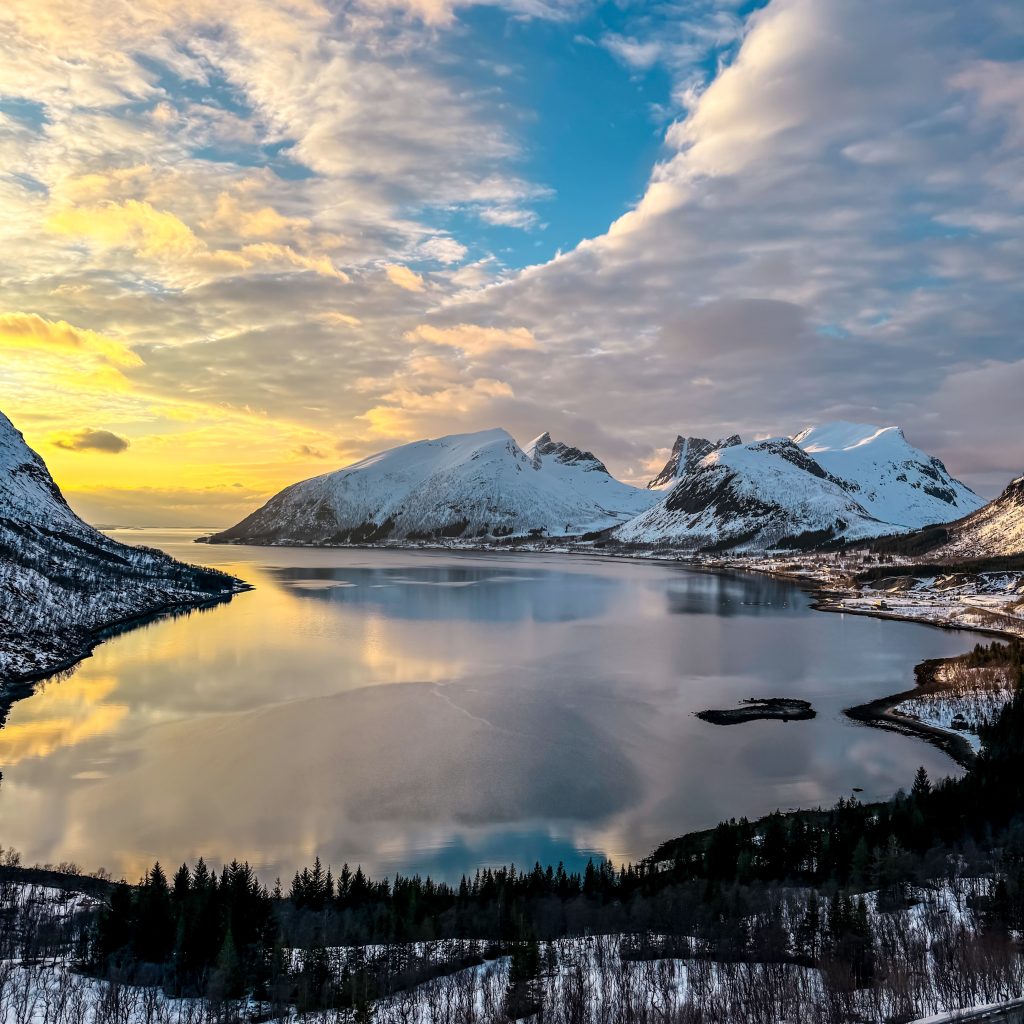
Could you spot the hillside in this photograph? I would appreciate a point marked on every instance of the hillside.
(61, 581)
(995, 530)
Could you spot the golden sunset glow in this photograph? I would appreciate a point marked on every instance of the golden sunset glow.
(63, 715)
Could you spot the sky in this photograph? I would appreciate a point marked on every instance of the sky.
(244, 244)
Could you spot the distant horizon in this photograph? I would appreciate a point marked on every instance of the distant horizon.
(657, 463)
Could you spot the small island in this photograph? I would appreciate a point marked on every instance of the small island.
(754, 708)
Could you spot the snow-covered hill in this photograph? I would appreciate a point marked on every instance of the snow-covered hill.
(61, 580)
(890, 478)
(464, 485)
(995, 529)
(750, 497)
(836, 481)
(687, 453)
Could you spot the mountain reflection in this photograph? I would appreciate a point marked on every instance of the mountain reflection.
(716, 594)
(459, 593)
(412, 710)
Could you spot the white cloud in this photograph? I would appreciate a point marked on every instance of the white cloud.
(404, 278)
(474, 339)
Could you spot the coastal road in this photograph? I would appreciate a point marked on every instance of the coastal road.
(1006, 1013)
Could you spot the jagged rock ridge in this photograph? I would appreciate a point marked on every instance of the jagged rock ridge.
(835, 482)
(686, 455)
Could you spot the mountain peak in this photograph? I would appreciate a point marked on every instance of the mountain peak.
(893, 480)
(27, 491)
(842, 435)
(461, 486)
(686, 455)
(544, 447)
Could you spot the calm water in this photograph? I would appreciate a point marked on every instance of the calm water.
(429, 711)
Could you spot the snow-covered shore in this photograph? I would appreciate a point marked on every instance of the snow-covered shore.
(957, 699)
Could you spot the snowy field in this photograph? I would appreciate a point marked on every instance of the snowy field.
(932, 959)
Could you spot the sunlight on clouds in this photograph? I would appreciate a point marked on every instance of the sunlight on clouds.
(412, 414)
(192, 181)
(404, 277)
(334, 318)
(262, 222)
(474, 339)
(133, 224)
(28, 332)
(205, 448)
(163, 237)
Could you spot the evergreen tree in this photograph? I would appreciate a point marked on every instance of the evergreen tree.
(524, 995)
(922, 785)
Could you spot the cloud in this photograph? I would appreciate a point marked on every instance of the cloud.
(200, 507)
(259, 222)
(164, 238)
(409, 414)
(29, 331)
(509, 217)
(442, 248)
(306, 451)
(337, 319)
(474, 339)
(404, 277)
(826, 236)
(86, 439)
(830, 228)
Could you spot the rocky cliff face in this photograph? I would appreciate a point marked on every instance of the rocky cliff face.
(687, 453)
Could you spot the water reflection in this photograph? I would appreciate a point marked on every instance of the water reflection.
(65, 713)
(467, 594)
(417, 710)
(717, 594)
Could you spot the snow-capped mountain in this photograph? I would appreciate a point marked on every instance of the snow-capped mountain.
(61, 580)
(835, 481)
(893, 481)
(463, 485)
(994, 530)
(751, 497)
(687, 453)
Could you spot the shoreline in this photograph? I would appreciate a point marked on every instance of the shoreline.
(21, 685)
(881, 713)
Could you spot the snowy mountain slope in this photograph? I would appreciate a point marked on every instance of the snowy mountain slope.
(463, 485)
(893, 481)
(61, 580)
(994, 530)
(749, 497)
(687, 453)
(27, 492)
